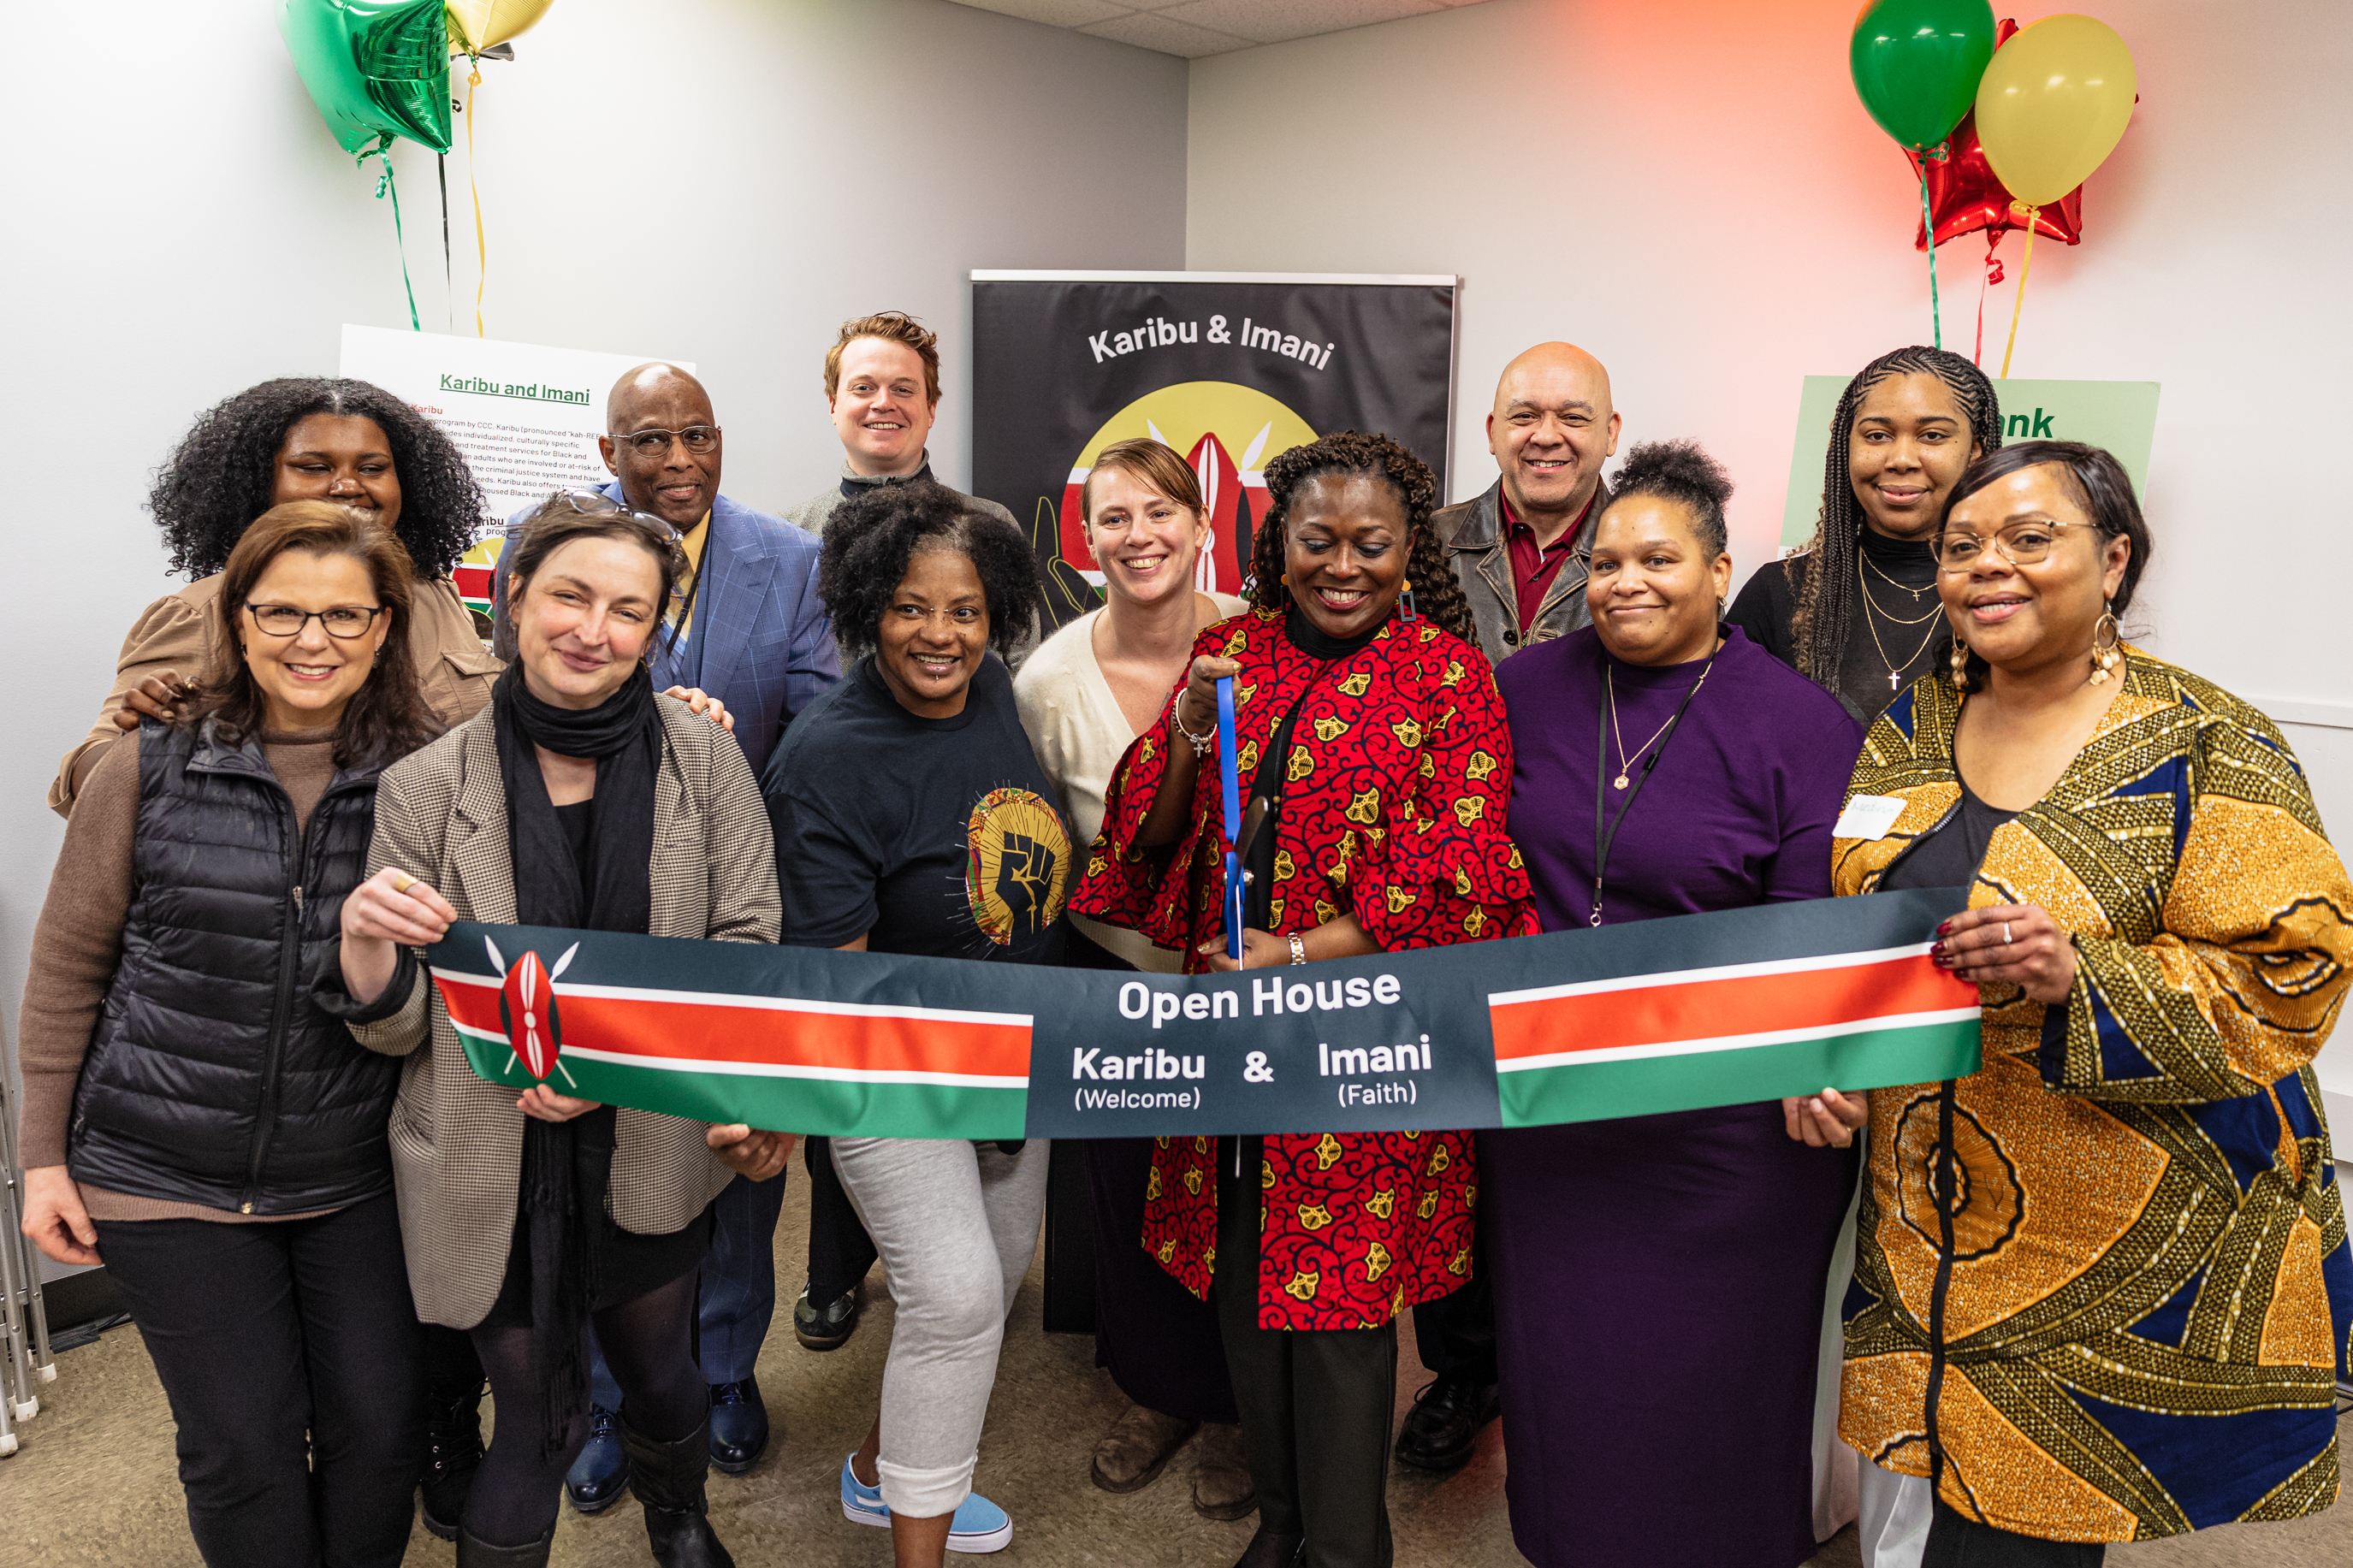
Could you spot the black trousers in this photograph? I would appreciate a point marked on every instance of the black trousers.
(1316, 1404)
(839, 1250)
(292, 1356)
(1956, 1541)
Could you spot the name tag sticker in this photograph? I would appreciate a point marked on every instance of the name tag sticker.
(1868, 817)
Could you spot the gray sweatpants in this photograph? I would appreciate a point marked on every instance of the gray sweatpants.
(955, 1223)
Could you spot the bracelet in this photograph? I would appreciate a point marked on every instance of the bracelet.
(1298, 949)
(1201, 743)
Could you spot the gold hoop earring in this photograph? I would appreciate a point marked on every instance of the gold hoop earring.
(2107, 640)
(1960, 665)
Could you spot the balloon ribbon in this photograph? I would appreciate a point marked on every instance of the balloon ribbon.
(1929, 227)
(1230, 776)
(384, 187)
(2017, 302)
(481, 245)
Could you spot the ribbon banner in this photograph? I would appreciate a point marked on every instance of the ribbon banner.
(1669, 1014)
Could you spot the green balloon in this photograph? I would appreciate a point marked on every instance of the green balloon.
(1917, 64)
(375, 67)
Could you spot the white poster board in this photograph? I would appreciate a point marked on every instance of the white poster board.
(526, 418)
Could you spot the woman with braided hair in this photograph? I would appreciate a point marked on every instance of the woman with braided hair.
(1370, 731)
(1856, 610)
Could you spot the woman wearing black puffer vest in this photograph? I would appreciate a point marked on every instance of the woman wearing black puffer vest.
(191, 1117)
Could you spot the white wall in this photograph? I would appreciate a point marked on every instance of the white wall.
(722, 180)
(1692, 191)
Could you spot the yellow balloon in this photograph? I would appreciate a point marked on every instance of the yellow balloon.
(479, 24)
(2052, 104)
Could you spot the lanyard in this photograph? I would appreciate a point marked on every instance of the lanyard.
(1604, 835)
(1230, 778)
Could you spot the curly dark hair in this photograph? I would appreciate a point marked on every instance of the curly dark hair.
(1437, 595)
(1682, 472)
(869, 540)
(1825, 608)
(223, 474)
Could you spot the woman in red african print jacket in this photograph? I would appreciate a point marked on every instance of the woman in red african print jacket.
(1378, 764)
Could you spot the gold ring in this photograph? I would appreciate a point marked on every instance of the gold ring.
(401, 880)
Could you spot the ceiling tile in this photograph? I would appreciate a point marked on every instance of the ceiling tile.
(1271, 21)
(1169, 36)
(1055, 13)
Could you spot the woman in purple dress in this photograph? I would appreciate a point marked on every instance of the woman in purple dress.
(1658, 1273)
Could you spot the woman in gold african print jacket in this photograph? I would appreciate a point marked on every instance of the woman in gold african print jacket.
(2130, 1322)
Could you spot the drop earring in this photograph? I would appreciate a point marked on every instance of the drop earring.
(2107, 640)
(1405, 612)
(1960, 665)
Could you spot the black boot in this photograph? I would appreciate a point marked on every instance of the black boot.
(454, 1452)
(1272, 1548)
(667, 1480)
(473, 1554)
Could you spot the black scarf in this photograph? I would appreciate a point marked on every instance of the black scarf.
(565, 1165)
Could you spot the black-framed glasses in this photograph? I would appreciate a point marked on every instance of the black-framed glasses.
(596, 503)
(2021, 544)
(342, 623)
(696, 438)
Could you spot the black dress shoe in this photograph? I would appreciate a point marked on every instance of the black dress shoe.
(1269, 1550)
(1444, 1425)
(598, 1478)
(830, 1328)
(739, 1426)
(454, 1438)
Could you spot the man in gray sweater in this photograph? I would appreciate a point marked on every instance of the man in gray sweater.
(882, 387)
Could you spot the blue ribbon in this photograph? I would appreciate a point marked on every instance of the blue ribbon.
(1230, 775)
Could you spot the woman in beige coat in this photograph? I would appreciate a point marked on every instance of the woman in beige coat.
(299, 438)
(578, 798)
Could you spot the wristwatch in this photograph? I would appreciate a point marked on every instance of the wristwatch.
(1298, 949)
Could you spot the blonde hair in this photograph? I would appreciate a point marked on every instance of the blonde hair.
(893, 327)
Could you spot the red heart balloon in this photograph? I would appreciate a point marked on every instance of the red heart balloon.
(1964, 196)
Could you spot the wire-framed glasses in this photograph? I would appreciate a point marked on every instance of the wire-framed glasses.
(343, 622)
(2021, 544)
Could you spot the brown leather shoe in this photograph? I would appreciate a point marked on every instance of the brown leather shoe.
(1222, 1488)
(1137, 1448)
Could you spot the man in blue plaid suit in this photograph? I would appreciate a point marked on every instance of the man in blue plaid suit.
(748, 629)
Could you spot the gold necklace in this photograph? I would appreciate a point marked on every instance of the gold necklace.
(1894, 671)
(1892, 619)
(1625, 763)
(1893, 582)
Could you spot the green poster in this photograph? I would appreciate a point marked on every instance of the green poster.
(2118, 415)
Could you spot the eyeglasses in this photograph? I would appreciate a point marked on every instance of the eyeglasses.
(2021, 544)
(342, 623)
(596, 503)
(697, 439)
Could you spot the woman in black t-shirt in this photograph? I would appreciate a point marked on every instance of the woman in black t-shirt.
(911, 816)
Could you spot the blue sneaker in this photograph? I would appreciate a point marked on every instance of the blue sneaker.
(979, 1525)
(601, 1473)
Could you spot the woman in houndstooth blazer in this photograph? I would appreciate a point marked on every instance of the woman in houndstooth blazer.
(578, 798)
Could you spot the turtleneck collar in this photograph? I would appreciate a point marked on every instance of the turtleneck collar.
(1303, 634)
(1889, 553)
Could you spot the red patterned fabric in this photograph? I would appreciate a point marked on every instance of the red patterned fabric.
(1392, 809)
